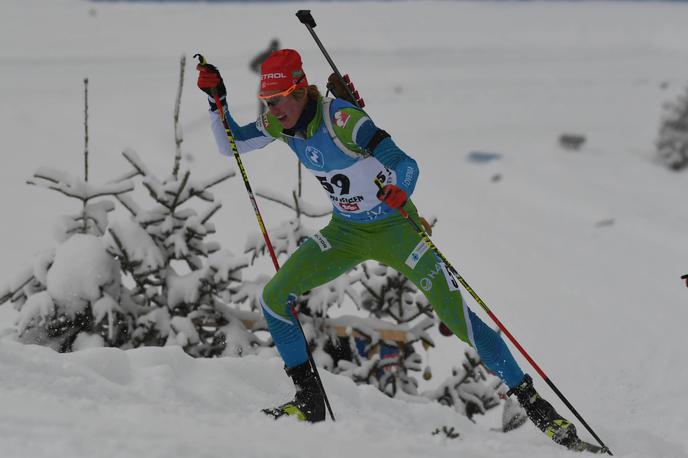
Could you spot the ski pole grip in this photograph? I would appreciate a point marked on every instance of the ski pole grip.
(306, 17)
(213, 91)
(403, 212)
(201, 59)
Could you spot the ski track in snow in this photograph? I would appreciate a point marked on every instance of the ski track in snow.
(578, 253)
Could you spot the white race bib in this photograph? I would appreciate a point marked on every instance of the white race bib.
(353, 189)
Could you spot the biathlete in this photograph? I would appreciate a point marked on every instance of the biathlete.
(347, 153)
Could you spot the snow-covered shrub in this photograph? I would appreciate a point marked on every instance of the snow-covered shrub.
(389, 364)
(470, 389)
(180, 280)
(75, 288)
(150, 279)
(672, 142)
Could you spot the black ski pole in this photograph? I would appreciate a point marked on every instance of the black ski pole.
(268, 244)
(306, 19)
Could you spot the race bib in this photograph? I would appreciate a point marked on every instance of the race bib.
(353, 189)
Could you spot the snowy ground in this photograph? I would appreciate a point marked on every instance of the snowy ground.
(579, 253)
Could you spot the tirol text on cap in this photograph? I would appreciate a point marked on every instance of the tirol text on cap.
(282, 70)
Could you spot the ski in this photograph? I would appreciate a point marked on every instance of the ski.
(580, 445)
(276, 413)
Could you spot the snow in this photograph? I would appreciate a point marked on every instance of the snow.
(144, 251)
(579, 253)
(74, 284)
(37, 307)
(75, 187)
(183, 289)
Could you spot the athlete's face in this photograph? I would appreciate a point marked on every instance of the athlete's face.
(288, 109)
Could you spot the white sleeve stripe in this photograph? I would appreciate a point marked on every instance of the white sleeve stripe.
(219, 134)
(467, 317)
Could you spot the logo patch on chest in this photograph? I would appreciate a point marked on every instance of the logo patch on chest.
(341, 118)
(315, 157)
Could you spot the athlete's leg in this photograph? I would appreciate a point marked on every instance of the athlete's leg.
(403, 249)
(320, 259)
(405, 252)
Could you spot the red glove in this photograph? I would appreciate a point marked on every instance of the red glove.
(209, 79)
(392, 195)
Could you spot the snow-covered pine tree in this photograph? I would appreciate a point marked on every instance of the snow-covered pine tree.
(147, 280)
(179, 278)
(152, 279)
(73, 288)
(470, 389)
(672, 142)
(388, 295)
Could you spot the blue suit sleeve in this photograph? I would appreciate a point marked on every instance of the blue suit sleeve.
(390, 155)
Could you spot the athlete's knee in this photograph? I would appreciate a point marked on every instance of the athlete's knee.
(458, 328)
(275, 297)
(452, 314)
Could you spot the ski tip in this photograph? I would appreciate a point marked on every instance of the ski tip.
(582, 446)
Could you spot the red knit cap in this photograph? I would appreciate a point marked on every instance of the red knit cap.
(281, 70)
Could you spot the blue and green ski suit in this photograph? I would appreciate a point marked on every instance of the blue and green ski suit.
(346, 152)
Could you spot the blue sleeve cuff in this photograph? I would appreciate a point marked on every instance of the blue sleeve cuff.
(389, 155)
